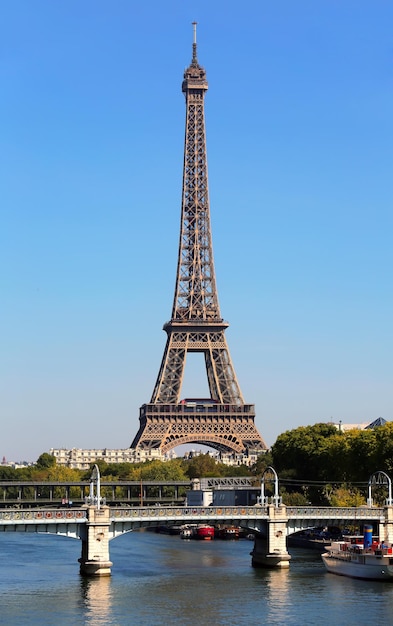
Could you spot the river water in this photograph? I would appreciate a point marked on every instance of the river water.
(160, 579)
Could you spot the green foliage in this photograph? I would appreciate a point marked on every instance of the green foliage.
(303, 449)
(163, 470)
(103, 467)
(263, 461)
(203, 466)
(322, 454)
(173, 470)
(62, 474)
(294, 498)
(7, 473)
(383, 457)
(234, 470)
(120, 471)
(346, 496)
(45, 461)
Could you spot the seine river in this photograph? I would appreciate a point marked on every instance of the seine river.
(160, 579)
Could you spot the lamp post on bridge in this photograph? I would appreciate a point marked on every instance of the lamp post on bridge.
(380, 478)
(270, 475)
(96, 499)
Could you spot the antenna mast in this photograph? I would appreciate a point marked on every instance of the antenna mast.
(194, 45)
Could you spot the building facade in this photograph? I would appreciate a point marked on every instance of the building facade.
(78, 458)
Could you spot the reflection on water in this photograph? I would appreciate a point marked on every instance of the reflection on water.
(276, 595)
(97, 600)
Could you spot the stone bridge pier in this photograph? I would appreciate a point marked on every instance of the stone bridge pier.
(270, 547)
(385, 531)
(95, 559)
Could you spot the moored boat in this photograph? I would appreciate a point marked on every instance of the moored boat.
(228, 532)
(204, 531)
(360, 557)
(186, 532)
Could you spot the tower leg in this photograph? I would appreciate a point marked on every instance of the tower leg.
(95, 560)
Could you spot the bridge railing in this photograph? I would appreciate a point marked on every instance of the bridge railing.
(305, 512)
(162, 513)
(184, 512)
(327, 512)
(41, 516)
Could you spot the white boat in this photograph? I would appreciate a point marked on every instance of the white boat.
(186, 532)
(357, 557)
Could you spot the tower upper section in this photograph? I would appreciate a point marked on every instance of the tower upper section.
(195, 300)
(195, 75)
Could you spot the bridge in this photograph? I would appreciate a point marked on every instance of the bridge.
(271, 522)
(70, 522)
(97, 526)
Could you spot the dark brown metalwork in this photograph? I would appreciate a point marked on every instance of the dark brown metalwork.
(223, 422)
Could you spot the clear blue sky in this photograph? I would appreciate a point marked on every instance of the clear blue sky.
(300, 147)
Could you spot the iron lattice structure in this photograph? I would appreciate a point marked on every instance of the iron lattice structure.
(224, 421)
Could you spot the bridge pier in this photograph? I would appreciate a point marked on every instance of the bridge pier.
(385, 531)
(271, 550)
(95, 559)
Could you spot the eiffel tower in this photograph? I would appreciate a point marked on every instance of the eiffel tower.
(223, 421)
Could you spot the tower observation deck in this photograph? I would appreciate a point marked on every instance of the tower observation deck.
(223, 421)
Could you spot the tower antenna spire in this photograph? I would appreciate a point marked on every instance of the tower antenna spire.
(194, 44)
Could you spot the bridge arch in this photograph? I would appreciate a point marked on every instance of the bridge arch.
(221, 443)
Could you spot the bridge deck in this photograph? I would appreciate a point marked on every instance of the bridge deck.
(125, 519)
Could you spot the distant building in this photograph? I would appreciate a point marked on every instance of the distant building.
(361, 426)
(248, 459)
(15, 464)
(78, 458)
(227, 458)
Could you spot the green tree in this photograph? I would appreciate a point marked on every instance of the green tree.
(384, 449)
(163, 470)
(203, 466)
(7, 473)
(45, 461)
(294, 498)
(361, 451)
(346, 496)
(234, 470)
(304, 450)
(263, 461)
(61, 473)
